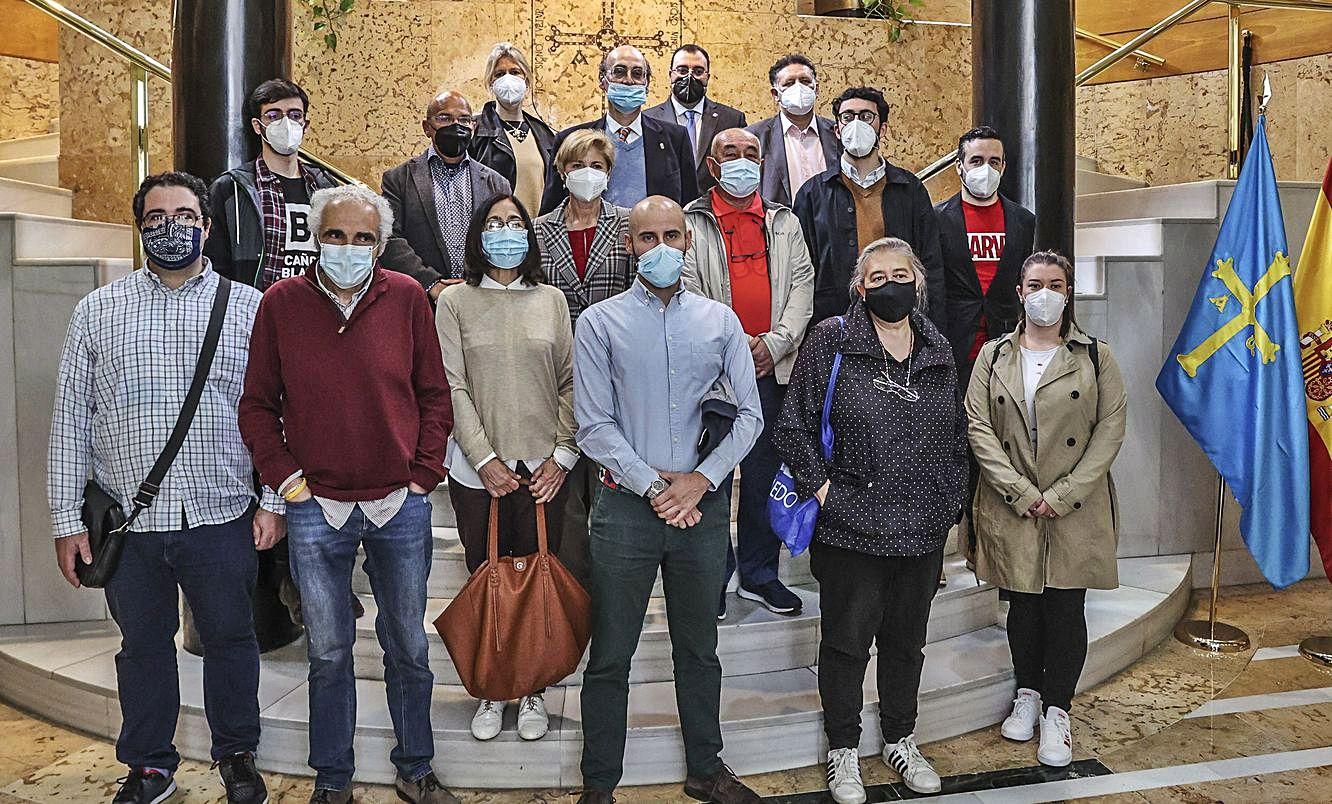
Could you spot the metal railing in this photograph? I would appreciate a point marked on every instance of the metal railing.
(141, 67)
(1235, 36)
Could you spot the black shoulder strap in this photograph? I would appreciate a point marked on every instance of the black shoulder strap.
(152, 484)
(1094, 352)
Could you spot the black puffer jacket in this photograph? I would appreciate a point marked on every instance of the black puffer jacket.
(899, 468)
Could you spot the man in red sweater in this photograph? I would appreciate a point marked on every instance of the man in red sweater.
(346, 411)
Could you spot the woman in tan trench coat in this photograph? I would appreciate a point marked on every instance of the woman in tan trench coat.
(1046, 411)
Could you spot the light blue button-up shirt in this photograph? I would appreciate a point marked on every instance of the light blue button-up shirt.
(641, 371)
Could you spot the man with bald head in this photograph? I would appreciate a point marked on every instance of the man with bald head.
(749, 253)
(652, 157)
(434, 194)
(645, 361)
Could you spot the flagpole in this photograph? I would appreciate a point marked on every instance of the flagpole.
(1209, 635)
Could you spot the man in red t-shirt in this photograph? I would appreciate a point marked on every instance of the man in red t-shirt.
(750, 254)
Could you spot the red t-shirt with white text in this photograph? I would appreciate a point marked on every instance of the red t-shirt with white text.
(985, 238)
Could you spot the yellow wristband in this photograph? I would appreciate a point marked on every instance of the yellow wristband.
(295, 491)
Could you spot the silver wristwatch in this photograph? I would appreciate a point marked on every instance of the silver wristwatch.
(658, 486)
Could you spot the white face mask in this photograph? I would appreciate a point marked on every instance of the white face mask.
(1044, 307)
(586, 183)
(284, 135)
(859, 138)
(798, 98)
(982, 181)
(509, 89)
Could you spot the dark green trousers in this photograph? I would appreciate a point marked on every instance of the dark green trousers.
(628, 543)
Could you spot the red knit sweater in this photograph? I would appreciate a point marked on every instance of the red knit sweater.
(360, 405)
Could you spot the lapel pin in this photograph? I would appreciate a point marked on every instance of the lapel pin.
(661, 146)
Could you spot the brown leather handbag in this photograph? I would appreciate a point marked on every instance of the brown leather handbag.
(519, 624)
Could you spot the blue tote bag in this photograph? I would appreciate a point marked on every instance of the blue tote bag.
(792, 518)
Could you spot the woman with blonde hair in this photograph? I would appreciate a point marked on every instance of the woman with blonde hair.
(510, 140)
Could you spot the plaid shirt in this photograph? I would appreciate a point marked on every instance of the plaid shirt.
(127, 364)
(273, 213)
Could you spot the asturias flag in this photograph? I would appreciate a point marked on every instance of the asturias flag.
(1233, 376)
(1313, 304)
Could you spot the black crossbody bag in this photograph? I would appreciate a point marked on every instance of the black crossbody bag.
(102, 514)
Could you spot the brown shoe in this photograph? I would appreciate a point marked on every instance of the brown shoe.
(596, 797)
(722, 788)
(426, 790)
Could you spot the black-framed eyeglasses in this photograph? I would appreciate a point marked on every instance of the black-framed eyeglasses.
(274, 115)
(864, 116)
(698, 71)
(516, 224)
(619, 72)
(154, 219)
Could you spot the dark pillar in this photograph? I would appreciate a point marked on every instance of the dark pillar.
(1022, 73)
(220, 50)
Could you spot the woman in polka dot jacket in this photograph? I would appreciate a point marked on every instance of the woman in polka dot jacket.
(893, 489)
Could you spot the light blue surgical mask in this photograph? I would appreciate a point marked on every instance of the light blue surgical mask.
(661, 266)
(505, 248)
(346, 266)
(739, 177)
(626, 97)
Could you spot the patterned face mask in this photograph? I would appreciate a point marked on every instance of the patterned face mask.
(172, 245)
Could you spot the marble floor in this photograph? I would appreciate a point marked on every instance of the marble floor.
(1177, 726)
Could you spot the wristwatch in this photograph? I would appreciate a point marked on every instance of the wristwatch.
(658, 486)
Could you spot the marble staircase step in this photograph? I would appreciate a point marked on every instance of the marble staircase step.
(43, 237)
(1087, 182)
(37, 169)
(35, 199)
(770, 721)
(47, 145)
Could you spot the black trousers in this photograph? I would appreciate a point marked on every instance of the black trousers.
(517, 521)
(866, 599)
(1047, 636)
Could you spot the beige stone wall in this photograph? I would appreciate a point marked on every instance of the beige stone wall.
(1169, 130)
(29, 94)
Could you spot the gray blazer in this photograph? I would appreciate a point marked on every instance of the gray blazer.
(776, 184)
(609, 267)
(411, 193)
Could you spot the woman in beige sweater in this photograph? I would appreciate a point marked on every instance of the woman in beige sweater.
(508, 353)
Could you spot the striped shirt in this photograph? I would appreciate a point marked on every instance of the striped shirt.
(127, 364)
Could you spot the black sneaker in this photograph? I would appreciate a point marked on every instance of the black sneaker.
(144, 786)
(244, 784)
(323, 795)
(721, 607)
(775, 597)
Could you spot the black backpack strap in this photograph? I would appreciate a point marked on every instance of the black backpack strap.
(152, 484)
(1094, 352)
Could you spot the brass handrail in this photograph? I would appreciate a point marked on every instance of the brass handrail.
(1145, 59)
(142, 65)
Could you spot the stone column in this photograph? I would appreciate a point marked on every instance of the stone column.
(220, 51)
(1022, 73)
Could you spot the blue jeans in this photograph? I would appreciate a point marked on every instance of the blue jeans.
(397, 561)
(758, 546)
(215, 566)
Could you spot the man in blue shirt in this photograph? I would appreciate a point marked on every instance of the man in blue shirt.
(643, 363)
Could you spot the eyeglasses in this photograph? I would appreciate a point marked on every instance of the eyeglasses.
(155, 219)
(698, 71)
(516, 224)
(619, 72)
(443, 119)
(864, 116)
(274, 115)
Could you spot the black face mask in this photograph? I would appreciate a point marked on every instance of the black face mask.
(891, 301)
(688, 90)
(451, 141)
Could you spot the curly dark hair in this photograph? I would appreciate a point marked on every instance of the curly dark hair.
(172, 178)
(475, 262)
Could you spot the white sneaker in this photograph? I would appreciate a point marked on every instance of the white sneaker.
(1021, 725)
(904, 757)
(533, 722)
(1056, 739)
(844, 776)
(488, 719)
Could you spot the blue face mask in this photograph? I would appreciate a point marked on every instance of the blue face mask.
(626, 97)
(739, 177)
(346, 266)
(505, 248)
(661, 266)
(172, 246)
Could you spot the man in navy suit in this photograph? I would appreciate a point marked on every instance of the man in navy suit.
(689, 106)
(652, 157)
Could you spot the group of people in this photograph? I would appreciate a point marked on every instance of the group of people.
(693, 298)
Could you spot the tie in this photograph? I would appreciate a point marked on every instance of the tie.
(623, 133)
(692, 127)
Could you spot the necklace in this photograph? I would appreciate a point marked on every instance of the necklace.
(885, 382)
(518, 130)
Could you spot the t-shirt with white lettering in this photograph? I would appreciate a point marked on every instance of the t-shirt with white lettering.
(299, 247)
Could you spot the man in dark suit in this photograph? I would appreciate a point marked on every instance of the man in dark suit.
(984, 238)
(797, 144)
(689, 106)
(651, 157)
(433, 195)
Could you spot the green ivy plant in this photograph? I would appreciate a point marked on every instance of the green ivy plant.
(327, 14)
(897, 14)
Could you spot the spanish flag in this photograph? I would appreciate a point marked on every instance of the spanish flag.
(1313, 308)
